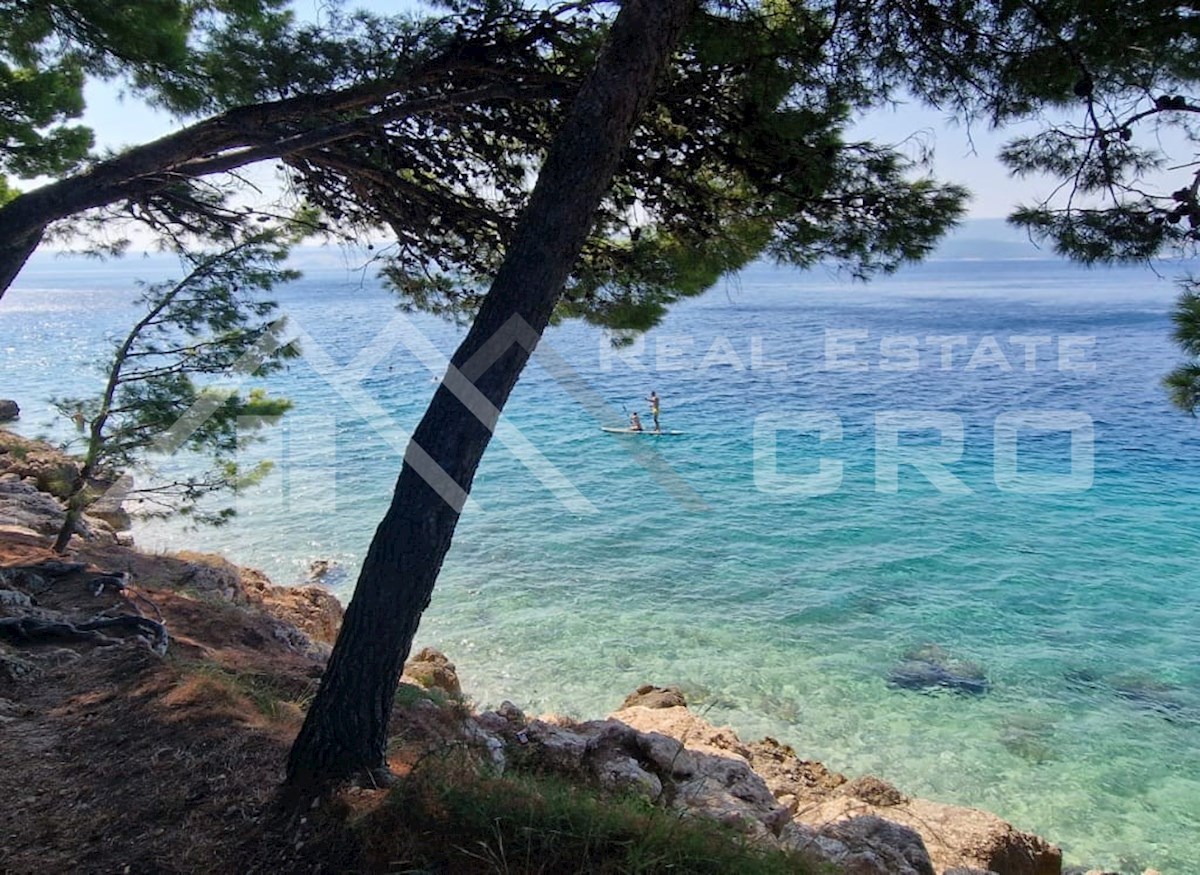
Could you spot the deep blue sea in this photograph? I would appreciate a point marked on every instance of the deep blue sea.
(976, 455)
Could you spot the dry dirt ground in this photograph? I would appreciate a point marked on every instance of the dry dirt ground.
(116, 759)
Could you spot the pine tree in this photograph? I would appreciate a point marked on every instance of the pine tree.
(156, 401)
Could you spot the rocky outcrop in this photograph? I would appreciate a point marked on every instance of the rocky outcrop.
(864, 846)
(430, 669)
(674, 758)
(24, 508)
(213, 575)
(47, 475)
(52, 470)
(9, 410)
(818, 798)
(23, 505)
(650, 696)
(312, 609)
(310, 616)
(664, 752)
(956, 837)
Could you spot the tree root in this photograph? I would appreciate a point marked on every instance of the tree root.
(25, 630)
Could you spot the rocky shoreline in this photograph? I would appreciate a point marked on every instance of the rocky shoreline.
(652, 746)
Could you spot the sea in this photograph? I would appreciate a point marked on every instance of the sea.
(971, 462)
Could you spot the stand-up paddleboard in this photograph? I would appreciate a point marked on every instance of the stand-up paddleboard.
(646, 431)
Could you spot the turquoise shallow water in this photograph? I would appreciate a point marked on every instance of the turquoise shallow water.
(592, 563)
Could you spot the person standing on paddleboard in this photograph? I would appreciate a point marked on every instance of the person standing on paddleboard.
(653, 399)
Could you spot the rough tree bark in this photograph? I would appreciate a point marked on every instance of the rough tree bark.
(14, 252)
(345, 732)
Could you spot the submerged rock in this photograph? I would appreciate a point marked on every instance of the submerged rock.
(1152, 696)
(1143, 693)
(930, 668)
(1028, 736)
(9, 410)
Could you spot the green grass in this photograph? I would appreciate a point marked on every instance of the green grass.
(407, 695)
(445, 818)
(18, 452)
(273, 699)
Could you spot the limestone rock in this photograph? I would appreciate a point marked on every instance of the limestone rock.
(432, 670)
(873, 790)
(818, 800)
(110, 509)
(23, 504)
(212, 575)
(788, 775)
(511, 713)
(50, 470)
(9, 410)
(671, 756)
(954, 836)
(668, 755)
(309, 616)
(491, 744)
(878, 845)
(614, 758)
(860, 848)
(650, 696)
(311, 609)
(709, 769)
(506, 720)
(696, 733)
(557, 748)
(616, 770)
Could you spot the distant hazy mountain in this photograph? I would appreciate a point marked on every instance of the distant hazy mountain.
(989, 239)
(975, 239)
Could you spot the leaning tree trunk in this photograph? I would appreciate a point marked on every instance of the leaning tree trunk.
(14, 252)
(345, 732)
(219, 144)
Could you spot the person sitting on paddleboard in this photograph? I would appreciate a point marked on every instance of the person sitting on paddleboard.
(653, 399)
(635, 422)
